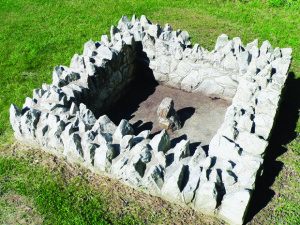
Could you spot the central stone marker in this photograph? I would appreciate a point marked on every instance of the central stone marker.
(167, 115)
(68, 118)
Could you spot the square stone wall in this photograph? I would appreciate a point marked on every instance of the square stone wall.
(67, 118)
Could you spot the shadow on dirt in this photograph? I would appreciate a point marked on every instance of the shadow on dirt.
(185, 113)
(282, 134)
(126, 107)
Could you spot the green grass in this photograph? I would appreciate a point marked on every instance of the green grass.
(37, 35)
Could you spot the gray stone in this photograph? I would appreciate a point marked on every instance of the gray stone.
(104, 52)
(250, 45)
(230, 63)
(29, 122)
(161, 158)
(86, 115)
(144, 21)
(166, 36)
(168, 27)
(154, 178)
(73, 109)
(29, 103)
(89, 153)
(113, 33)
(105, 125)
(185, 38)
(136, 169)
(183, 69)
(105, 40)
(286, 52)
(104, 138)
(126, 143)
(161, 142)
(141, 136)
(224, 148)
(123, 129)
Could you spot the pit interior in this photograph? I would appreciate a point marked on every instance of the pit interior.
(200, 115)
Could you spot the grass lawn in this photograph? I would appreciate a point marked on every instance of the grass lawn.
(37, 35)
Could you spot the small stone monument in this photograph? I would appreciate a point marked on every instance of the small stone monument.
(167, 115)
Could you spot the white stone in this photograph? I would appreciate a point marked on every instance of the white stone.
(206, 198)
(191, 81)
(221, 41)
(234, 206)
(103, 158)
(181, 150)
(209, 87)
(252, 144)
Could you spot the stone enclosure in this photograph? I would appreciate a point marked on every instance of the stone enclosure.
(68, 117)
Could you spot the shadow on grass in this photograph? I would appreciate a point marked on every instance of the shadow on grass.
(282, 134)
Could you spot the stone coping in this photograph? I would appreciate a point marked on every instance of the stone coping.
(67, 118)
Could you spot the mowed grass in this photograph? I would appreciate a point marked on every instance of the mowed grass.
(37, 35)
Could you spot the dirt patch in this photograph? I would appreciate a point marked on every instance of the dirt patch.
(201, 116)
(17, 209)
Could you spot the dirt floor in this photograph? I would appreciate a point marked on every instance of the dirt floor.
(200, 116)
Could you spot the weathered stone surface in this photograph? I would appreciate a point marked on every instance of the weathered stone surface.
(181, 150)
(221, 41)
(188, 192)
(167, 115)
(206, 198)
(234, 205)
(123, 129)
(29, 121)
(126, 143)
(161, 142)
(103, 157)
(173, 183)
(154, 178)
(15, 114)
(198, 156)
(73, 149)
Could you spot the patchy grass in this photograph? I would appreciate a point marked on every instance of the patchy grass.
(37, 35)
(64, 192)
